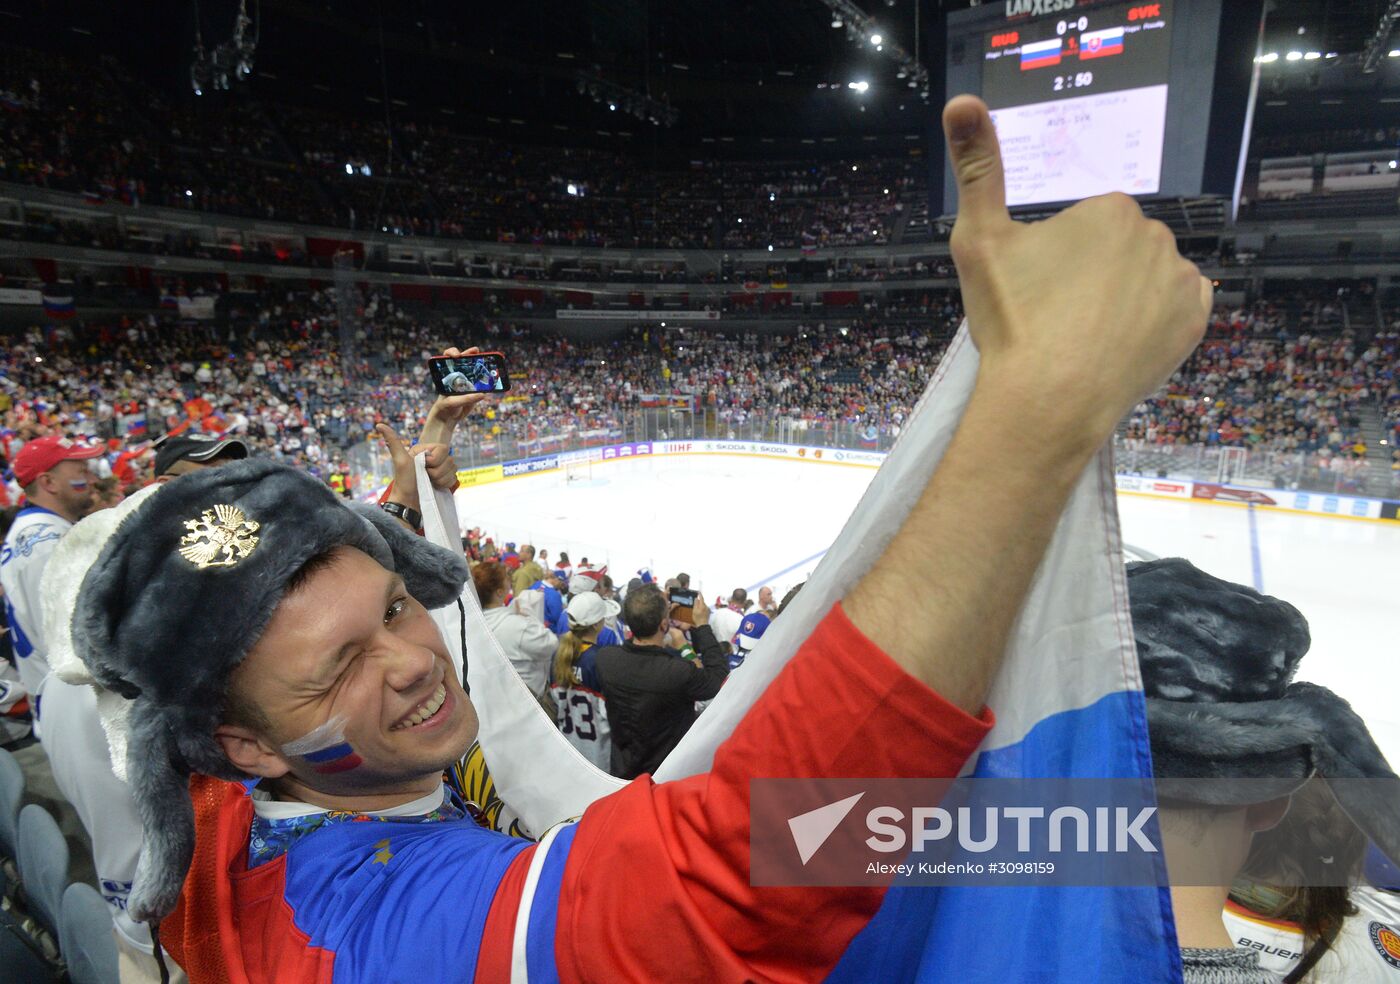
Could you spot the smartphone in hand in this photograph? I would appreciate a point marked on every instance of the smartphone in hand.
(458, 375)
(686, 602)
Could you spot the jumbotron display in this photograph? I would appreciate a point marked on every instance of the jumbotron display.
(1080, 101)
(1148, 97)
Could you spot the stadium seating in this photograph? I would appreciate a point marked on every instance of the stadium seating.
(11, 796)
(43, 866)
(85, 936)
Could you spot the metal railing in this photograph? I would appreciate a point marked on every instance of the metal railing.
(1292, 470)
(484, 442)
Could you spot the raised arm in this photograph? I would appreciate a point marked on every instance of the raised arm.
(1075, 319)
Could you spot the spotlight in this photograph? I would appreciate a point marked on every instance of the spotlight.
(612, 106)
(836, 20)
(1312, 56)
(349, 168)
(1268, 59)
(1294, 56)
(876, 40)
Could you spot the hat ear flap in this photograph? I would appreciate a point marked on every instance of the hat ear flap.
(1355, 770)
(162, 796)
(434, 575)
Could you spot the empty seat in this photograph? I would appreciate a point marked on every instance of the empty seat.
(11, 794)
(43, 865)
(85, 937)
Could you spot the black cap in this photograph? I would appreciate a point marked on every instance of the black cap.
(196, 447)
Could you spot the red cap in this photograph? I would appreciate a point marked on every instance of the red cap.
(41, 454)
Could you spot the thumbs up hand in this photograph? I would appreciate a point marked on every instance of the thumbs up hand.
(1075, 318)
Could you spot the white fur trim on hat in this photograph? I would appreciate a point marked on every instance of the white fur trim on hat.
(62, 580)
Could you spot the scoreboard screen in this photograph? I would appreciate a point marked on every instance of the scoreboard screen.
(1080, 101)
(1149, 97)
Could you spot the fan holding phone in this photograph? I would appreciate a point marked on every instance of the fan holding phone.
(475, 372)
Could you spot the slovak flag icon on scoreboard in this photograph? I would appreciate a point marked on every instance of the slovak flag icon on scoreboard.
(1100, 44)
(1041, 54)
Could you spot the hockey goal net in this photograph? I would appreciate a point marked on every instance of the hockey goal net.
(578, 468)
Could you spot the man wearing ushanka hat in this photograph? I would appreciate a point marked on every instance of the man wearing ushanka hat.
(275, 644)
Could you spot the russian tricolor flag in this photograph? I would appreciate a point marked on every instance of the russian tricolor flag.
(136, 426)
(1040, 54)
(1101, 44)
(59, 306)
(1068, 703)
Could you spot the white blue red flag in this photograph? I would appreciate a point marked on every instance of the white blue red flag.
(1040, 54)
(1068, 703)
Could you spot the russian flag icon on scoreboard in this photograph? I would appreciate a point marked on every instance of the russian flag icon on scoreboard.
(1100, 44)
(1041, 54)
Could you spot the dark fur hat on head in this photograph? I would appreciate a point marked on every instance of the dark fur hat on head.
(1218, 661)
(177, 597)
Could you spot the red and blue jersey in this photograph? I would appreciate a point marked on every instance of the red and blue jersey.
(651, 882)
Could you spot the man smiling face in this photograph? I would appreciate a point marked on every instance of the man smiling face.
(349, 694)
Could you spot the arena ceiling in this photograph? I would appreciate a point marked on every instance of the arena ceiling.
(739, 74)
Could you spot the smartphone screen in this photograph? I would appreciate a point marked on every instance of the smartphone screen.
(686, 601)
(484, 372)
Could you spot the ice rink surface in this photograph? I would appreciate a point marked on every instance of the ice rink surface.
(732, 521)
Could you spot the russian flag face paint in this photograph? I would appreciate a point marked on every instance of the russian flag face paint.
(325, 749)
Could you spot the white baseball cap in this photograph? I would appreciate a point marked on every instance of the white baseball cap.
(590, 608)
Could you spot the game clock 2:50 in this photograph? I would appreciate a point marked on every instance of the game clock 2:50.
(1078, 80)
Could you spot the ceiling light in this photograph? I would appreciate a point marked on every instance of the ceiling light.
(1313, 55)
(1267, 59)
(1294, 56)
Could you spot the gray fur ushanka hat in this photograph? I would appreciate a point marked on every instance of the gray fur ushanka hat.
(1218, 661)
(177, 597)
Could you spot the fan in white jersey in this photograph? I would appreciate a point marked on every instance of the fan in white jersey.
(1311, 933)
(577, 691)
